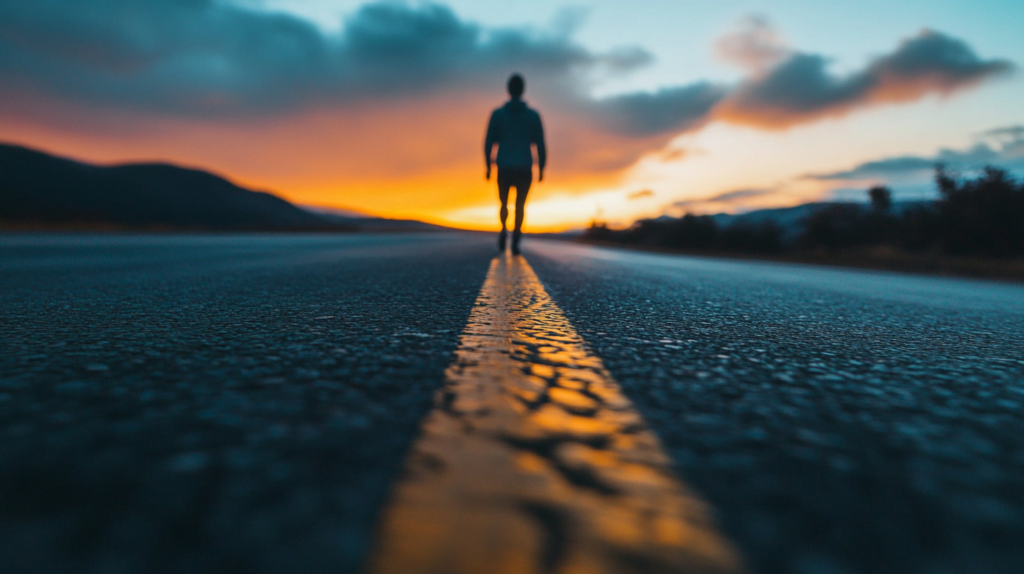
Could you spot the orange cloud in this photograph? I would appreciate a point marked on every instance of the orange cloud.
(800, 89)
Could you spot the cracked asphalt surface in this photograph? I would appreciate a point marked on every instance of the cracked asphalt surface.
(242, 403)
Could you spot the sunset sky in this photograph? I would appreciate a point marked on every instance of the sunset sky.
(651, 107)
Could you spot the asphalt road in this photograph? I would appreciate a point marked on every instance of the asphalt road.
(839, 421)
(243, 403)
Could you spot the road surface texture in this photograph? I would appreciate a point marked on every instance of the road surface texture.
(840, 421)
(216, 404)
(245, 403)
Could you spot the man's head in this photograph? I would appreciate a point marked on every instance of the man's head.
(516, 86)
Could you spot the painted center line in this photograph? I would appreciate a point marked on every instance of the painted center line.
(533, 461)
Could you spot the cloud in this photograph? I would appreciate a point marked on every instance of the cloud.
(721, 200)
(668, 110)
(1005, 151)
(642, 194)
(755, 45)
(800, 88)
(674, 154)
(881, 169)
(1011, 132)
(784, 194)
(110, 67)
(213, 59)
(1010, 139)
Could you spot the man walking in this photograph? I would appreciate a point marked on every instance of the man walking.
(514, 127)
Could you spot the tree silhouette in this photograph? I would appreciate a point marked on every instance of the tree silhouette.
(881, 198)
(981, 216)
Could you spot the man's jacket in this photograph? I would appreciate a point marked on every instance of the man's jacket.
(514, 127)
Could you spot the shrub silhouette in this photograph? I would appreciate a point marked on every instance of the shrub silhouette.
(693, 233)
(688, 232)
(981, 216)
(598, 231)
(834, 227)
(765, 238)
(881, 198)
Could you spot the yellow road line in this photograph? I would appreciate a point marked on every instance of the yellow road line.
(534, 462)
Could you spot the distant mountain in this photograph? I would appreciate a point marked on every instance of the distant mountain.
(40, 190)
(784, 216)
(791, 219)
(369, 223)
(339, 211)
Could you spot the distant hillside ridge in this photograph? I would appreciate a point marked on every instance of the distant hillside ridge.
(38, 190)
(372, 224)
(791, 220)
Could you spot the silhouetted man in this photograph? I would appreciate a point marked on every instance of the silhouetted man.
(514, 127)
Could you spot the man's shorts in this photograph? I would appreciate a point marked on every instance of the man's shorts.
(517, 177)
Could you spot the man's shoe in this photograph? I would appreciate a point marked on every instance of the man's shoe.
(501, 241)
(515, 242)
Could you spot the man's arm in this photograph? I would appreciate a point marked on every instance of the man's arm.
(542, 152)
(489, 142)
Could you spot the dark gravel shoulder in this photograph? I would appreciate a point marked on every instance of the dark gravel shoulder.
(216, 404)
(838, 421)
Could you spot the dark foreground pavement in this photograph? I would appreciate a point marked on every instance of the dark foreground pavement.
(839, 421)
(214, 404)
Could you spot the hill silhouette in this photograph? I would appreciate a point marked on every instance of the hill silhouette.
(38, 190)
(373, 224)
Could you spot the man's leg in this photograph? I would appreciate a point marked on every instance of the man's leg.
(522, 189)
(503, 188)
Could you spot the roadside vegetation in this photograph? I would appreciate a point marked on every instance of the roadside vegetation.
(975, 227)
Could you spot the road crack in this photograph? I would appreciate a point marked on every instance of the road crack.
(537, 462)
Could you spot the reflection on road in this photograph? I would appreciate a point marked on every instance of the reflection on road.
(533, 461)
